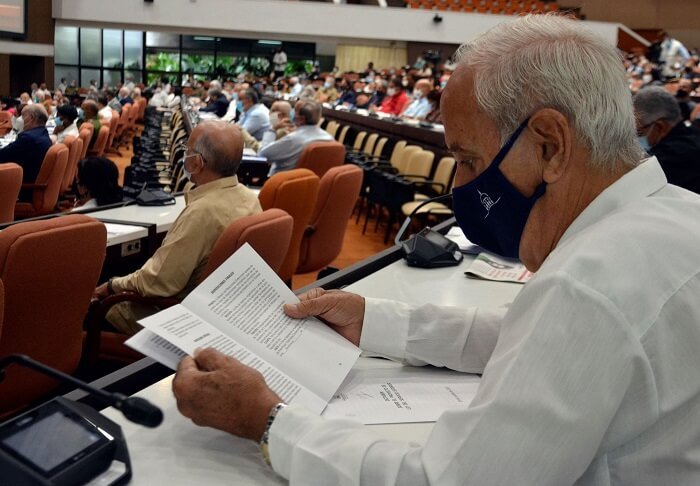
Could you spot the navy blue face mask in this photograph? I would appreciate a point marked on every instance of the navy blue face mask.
(490, 210)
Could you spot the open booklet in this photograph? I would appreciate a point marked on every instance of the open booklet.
(491, 267)
(238, 310)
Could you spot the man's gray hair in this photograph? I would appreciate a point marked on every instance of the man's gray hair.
(549, 61)
(218, 154)
(37, 112)
(311, 111)
(654, 103)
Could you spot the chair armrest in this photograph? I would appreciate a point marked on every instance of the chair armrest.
(98, 311)
(34, 186)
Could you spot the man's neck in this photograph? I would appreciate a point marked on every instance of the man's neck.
(557, 209)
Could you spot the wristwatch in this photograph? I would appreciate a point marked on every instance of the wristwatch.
(265, 439)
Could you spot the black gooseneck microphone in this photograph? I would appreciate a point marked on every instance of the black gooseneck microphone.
(408, 219)
(136, 409)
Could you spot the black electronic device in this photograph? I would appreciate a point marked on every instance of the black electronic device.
(65, 442)
(62, 442)
(428, 248)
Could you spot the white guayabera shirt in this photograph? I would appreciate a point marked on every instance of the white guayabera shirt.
(591, 377)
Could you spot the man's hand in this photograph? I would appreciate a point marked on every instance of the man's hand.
(101, 292)
(342, 311)
(215, 390)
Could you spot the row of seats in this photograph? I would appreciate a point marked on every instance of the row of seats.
(507, 7)
(301, 229)
(393, 185)
(56, 178)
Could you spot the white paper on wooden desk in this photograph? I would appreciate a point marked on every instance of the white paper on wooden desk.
(401, 395)
(238, 310)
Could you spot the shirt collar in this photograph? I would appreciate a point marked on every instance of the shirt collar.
(642, 181)
(200, 191)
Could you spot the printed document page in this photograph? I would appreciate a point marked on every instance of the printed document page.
(492, 267)
(401, 395)
(238, 310)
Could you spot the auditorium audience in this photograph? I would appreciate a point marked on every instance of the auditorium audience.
(395, 99)
(90, 112)
(214, 152)
(590, 375)
(97, 183)
(295, 87)
(124, 96)
(255, 117)
(104, 111)
(218, 103)
(30, 147)
(420, 106)
(663, 134)
(281, 120)
(284, 153)
(66, 123)
(434, 116)
(327, 93)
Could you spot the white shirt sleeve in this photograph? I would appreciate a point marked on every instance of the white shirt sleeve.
(563, 362)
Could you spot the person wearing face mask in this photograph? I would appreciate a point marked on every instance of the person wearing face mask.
(214, 152)
(663, 134)
(281, 121)
(66, 126)
(590, 376)
(396, 98)
(255, 117)
(327, 93)
(30, 147)
(420, 106)
(284, 153)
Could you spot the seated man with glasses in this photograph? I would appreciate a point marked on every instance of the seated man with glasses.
(214, 152)
(663, 134)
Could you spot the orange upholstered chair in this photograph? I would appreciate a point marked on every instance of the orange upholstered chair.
(5, 123)
(321, 156)
(75, 148)
(47, 186)
(269, 233)
(85, 134)
(294, 191)
(2, 304)
(142, 103)
(98, 149)
(323, 238)
(49, 269)
(10, 184)
(113, 123)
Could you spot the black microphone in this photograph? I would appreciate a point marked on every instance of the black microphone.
(136, 409)
(408, 219)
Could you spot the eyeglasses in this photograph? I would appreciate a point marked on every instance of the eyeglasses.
(644, 127)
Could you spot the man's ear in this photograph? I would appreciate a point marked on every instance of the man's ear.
(552, 131)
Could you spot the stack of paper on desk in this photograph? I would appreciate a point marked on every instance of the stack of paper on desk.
(238, 310)
(401, 395)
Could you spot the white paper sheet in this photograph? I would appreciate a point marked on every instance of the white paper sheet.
(401, 395)
(238, 310)
(465, 246)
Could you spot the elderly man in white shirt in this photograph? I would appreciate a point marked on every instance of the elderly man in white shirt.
(590, 377)
(255, 117)
(284, 153)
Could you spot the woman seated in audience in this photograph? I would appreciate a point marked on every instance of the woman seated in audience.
(97, 183)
